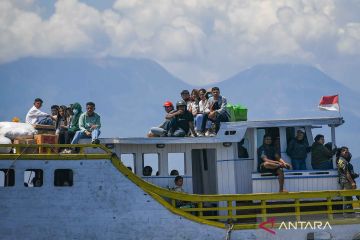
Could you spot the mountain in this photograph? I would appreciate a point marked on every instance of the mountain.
(128, 93)
(278, 91)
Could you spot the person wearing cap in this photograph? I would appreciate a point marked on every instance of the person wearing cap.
(35, 116)
(185, 95)
(297, 150)
(181, 121)
(161, 131)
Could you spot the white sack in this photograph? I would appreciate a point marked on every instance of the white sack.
(13, 129)
(5, 140)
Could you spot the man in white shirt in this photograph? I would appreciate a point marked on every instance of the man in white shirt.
(35, 116)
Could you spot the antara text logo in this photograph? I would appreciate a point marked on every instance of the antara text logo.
(302, 225)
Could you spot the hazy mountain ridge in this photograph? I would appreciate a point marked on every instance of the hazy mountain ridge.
(129, 93)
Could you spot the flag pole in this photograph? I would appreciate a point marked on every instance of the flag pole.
(339, 104)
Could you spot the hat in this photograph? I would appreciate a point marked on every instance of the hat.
(184, 92)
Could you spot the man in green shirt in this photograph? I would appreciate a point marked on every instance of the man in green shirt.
(89, 124)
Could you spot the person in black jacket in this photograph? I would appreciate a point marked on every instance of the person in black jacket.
(297, 150)
(321, 155)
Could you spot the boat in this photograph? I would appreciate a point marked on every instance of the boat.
(102, 192)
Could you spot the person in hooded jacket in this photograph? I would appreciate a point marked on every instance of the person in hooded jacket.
(74, 124)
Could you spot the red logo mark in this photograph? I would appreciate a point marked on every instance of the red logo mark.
(269, 221)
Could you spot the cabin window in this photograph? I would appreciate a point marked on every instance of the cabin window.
(151, 164)
(33, 178)
(176, 164)
(63, 178)
(7, 177)
(128, 159)
(273, 132)
(243, 148)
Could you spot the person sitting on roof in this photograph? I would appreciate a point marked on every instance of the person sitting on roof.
(321, 156)
(218, 112)
(161, 131)
(181, 121)
(199, 107)
(269, 161)
(297, 150)
(185, 95)
(54, 112)
(61, 126)
(35, 116)
(89, 124)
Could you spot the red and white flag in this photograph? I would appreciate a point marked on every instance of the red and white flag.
(329, 103)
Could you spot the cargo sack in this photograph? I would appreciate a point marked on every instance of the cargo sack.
(13, 130)
(5, 140)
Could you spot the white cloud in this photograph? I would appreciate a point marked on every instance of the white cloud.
(349, 43)
(205, 40)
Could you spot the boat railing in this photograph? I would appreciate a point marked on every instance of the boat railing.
(248, 211)
(51, 151)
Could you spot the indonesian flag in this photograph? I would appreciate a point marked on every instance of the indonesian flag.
(329, 103)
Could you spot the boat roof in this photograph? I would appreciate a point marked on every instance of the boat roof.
(229, 131)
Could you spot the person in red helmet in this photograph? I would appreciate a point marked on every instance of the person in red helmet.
(162, 130)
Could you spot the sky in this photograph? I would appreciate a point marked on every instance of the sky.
(199, 41)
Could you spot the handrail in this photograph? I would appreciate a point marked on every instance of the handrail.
(229, 210)
(256, 207)
(47, 151)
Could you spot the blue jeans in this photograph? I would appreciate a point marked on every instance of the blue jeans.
(298, 164)
(178, 133)
(45, 121)
(219, 118)
(175, 130)
(79, 134)
(198, 122)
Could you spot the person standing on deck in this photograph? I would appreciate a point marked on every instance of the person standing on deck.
(320, 155)
(35, 116)
(89, 124)
(297, 150)
(346, 180)
(269, 161)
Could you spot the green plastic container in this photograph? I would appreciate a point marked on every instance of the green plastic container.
(231, 111)
(237, 112)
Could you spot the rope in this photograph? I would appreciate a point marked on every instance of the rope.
(12, 165)
(228, 231)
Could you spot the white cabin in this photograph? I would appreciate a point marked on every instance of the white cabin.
(214, 165)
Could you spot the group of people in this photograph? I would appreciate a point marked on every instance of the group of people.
(196, 114)
(270, 161)
(71, 123)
